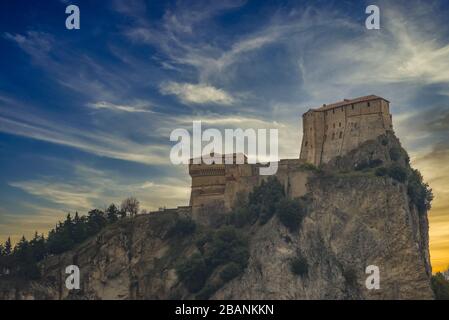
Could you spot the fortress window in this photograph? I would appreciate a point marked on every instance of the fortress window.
(339, 124)
(333, 111)
(341, 135)
(342, 109)
(352, 106)
(369, 104)
(307, 142)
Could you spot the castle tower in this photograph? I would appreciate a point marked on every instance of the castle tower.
(215, 185)
(340, 127)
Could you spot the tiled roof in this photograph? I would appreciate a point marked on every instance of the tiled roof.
(346, 102)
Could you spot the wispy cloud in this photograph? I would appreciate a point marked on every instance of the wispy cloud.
(197, 93)
(138, 108)
(101, 143)
(94, 188)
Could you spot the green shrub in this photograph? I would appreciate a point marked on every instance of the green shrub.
(368, 164)
(230, 271)
(299, 266)
(290, 213)
(242, 216)
(264, 199)
(398, 173)
(193, 272)
(440, 287)
(202, 239)
(182, 227)
(419, 192)
(227, 247)
(384, 140)
(382, 171)
(395, 153)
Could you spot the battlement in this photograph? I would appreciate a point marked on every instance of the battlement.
(335, 129)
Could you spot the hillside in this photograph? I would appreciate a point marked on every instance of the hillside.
(366, 208)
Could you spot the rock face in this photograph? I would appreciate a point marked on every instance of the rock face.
(354, 219)
(344, 232)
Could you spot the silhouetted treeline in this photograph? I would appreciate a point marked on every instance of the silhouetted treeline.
(22, 260)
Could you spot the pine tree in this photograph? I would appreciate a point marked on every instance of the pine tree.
(112, 213)
(38, 247)
(8, 247)
(95, 221)
(79, 228)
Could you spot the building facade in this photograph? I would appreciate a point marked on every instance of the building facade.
(335, 129)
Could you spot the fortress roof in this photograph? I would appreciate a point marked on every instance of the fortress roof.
(346, 102)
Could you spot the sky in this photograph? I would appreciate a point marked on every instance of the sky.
(86, 115)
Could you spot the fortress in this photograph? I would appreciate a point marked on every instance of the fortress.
(337, 128)
(328, 131)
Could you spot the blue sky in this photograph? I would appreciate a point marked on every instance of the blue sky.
(85, 115)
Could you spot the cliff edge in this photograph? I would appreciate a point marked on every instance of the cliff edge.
(363, 209)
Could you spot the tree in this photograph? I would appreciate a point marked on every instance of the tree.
(8, 247)
(130, 206)
(37, 246)
(419, 192)
(79, 233)
(112, 213)
(264, 199)
(440, 287)
(96, 221)
(299, 265)
(290, 213)
(398, 173)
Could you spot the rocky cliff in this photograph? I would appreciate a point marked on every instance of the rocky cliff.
(355, 215)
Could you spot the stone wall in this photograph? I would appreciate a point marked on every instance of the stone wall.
(216, 194)
(336, 129)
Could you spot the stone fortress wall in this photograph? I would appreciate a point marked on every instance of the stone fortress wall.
(328, 131)
(338, 128)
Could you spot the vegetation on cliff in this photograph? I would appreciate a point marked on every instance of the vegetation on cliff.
(383, 157)
(265, 201)
(440, 286)
(22, 260)
(222, 255)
